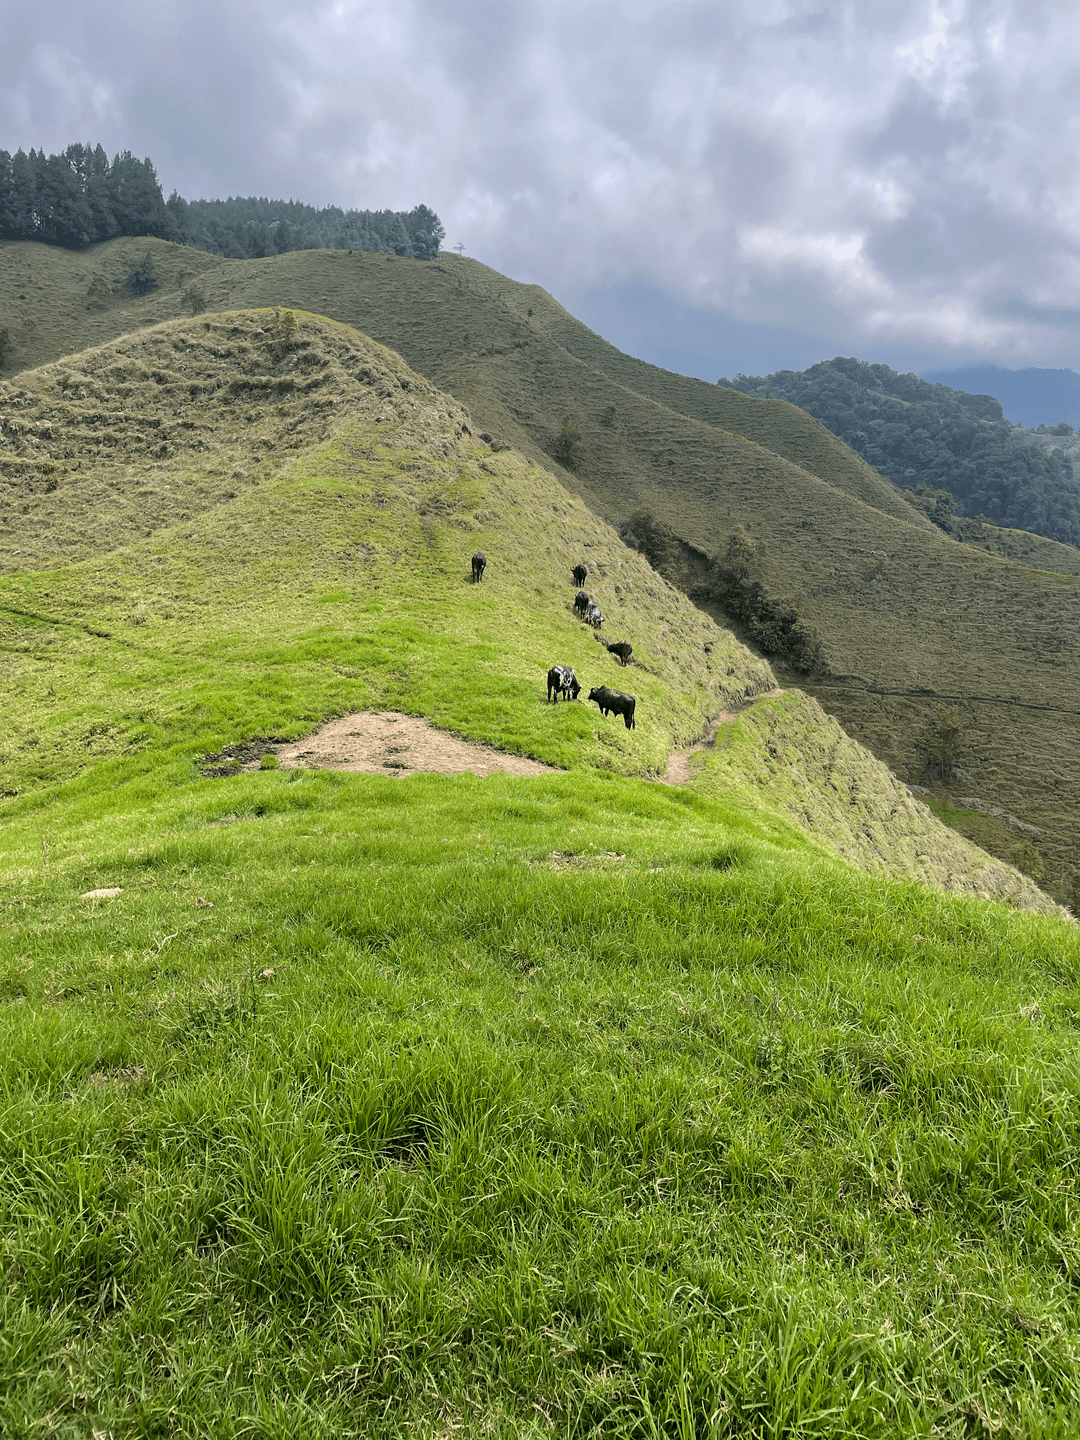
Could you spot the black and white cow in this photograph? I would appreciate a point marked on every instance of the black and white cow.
(479, 562)
(561, 680)
(614, 702)
(593, 616)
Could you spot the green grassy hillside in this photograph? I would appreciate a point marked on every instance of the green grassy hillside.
(333, 578)
(435, 314)
(910, 620)
(511, 1107)
(577, 1104)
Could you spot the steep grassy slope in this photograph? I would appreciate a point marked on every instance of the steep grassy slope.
(909, 619)
(335, 580)
(159, 427)
(435, 315)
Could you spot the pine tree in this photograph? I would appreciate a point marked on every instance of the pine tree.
(65, 217)
(23, 197)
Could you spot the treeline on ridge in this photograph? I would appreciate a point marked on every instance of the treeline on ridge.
(927, 435)
(81, 198)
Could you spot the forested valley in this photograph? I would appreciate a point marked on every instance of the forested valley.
(953, 452)
(81, 198)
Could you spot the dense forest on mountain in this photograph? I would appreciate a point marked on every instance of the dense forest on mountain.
(926, 435)
(81, 198)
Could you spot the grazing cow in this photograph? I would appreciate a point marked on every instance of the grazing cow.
(479, 561)
(623, 649)
(581, 603)
(593, 616)
(580, 574)
(563, 681)
(614, 702)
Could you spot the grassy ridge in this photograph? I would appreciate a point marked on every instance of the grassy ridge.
(340, 581)
(336, 580)
(364, 1114)
(910, 620)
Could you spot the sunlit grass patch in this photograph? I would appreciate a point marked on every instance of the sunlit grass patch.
(364, 1112)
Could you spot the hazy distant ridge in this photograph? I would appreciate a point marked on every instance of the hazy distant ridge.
(1030, 397)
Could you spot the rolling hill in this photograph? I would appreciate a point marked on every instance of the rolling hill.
(159, 460)
(910, 621)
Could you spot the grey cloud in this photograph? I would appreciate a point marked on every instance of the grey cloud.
(749, 172)
(879, 174)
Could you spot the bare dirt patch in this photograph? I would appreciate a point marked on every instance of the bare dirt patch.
(384, 742)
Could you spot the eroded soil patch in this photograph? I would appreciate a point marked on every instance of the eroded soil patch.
(384, 742)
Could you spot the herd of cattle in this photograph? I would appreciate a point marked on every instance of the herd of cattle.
(561, 679)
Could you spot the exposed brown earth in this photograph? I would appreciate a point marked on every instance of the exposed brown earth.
(384, 742)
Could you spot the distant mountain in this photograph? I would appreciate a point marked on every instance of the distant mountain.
(930, 437)
(1028, 397)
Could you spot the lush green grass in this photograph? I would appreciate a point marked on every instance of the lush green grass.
(364, 1115)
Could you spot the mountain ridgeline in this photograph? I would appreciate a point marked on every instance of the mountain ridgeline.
(81, 198)
(927, 437)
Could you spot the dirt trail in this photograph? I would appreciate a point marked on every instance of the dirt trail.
(678, 767)
(384, 742)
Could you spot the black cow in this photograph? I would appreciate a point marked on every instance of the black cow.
(479, 561)
(593, 616)
(563, 681)
(580, 574)
(614, 702)
(581, 603)
(623, 649)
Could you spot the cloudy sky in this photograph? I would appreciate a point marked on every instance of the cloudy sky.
(718, 185)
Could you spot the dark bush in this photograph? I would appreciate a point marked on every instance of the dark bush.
(655, 540)
(943, 742)
(771, 622)
(140, 282)
(568, 447)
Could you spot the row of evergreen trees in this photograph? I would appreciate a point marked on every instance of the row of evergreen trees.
(81, 198)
